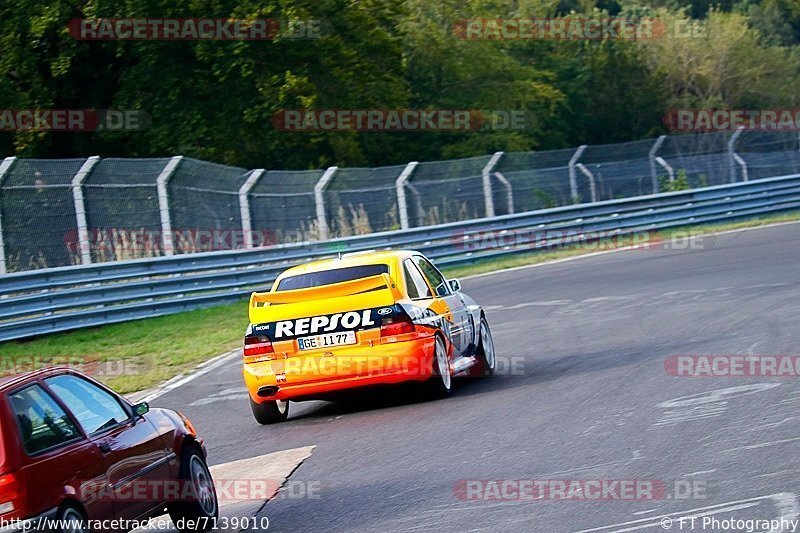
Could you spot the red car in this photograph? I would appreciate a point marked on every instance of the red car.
(76, 456)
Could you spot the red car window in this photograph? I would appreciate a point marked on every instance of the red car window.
(94, 408)
(42, 423)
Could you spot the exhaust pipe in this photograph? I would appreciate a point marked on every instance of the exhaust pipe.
(266, 392)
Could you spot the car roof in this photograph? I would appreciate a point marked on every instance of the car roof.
(7, 382)
(369, 257)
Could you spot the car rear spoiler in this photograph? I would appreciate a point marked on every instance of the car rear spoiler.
(267, 306)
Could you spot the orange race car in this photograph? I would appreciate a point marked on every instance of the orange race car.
(366, 318)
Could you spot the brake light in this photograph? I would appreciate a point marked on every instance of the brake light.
(257, 348)
(11, 493)
(393, 326)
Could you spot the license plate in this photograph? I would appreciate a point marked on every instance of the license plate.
(327, 340)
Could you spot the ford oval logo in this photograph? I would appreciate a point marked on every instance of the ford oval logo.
(385, 311)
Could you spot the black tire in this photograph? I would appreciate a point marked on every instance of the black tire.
(486, 355)
(270, 412)
(439, 385)
(201, 510)
(70, 518)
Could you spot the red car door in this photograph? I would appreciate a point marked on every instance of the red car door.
(59, 459)
(136, 458)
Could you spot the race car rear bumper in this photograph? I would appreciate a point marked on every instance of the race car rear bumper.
(317, 375)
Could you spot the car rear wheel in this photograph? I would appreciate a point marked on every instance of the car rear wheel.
(201, 510)
(440, 383)
(270, 412)
(70, 519)
(486, 355)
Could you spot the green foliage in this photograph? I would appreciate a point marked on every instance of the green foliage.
(215, 99)
(680, 183)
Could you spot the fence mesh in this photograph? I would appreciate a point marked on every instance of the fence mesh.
(447, 191)
(362, 200)
(122, 209)
(282, 206)
(204, 205)
(121, 197)
(38, 214)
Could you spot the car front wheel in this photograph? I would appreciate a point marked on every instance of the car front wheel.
(200, 511)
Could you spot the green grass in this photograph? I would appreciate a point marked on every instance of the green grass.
(137, 355)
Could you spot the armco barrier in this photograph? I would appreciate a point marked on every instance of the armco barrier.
(50, 300)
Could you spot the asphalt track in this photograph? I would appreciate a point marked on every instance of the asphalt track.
(582, 395)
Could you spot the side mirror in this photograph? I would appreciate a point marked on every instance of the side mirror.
(455, 285)
(141, 409)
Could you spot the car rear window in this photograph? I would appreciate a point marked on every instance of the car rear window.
(334, 275)
(42, 423)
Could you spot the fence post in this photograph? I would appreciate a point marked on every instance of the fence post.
(653, 154)
(80, 208)
(732, 154)
(592, 185)
(509, 192)
(667, 167)
(163, 204)
(418, 202)
(399, 186)
(244, 206)
(4, 167)
(573, 177)
(487, 183)
(319, 200)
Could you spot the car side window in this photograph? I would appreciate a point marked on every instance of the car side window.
(42, 423)
(417, 288)
(435, 277)
(94, 408)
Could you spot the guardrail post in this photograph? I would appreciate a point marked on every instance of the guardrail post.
(319, 200)
(399, 186)
(487, 183)
(509, 192)
(573, 176)
(80, 208)
(4, 167)
(732, 155)
(244, 206)
(653, 160)
(163, 204)
(667, 167)
(592, 185)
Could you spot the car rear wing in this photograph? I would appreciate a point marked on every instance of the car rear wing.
(363, 293)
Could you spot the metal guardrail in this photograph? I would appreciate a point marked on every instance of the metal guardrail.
(58, 299)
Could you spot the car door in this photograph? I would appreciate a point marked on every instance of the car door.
(135, 456)
(61, 458)
(459, 316)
